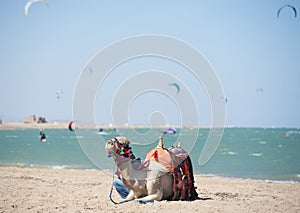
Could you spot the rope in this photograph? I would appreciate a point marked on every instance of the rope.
(114, 202)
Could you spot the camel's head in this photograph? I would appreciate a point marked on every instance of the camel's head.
(120, 146)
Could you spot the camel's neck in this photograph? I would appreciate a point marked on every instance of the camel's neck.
(130, 170)
(124, 166)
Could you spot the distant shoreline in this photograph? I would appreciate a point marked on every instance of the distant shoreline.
(19, 125)
(56, 125)
(64, 125)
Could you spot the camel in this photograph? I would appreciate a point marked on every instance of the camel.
(145, 183)
(150, 180)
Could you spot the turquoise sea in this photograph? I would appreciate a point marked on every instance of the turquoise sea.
(255, 153)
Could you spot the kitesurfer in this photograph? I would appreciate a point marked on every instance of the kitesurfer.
(43, 135)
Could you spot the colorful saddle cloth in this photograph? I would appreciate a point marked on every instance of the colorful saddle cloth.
(178, 162)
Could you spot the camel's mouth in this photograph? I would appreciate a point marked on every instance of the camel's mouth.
(109, 147)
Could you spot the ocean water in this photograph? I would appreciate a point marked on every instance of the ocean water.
(255, 153)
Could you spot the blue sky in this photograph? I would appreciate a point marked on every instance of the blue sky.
(248, 46)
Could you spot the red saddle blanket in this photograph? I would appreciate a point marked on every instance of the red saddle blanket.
(177, 161)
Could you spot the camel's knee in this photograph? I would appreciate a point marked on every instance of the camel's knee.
(130, 196)
(158, 195)
(154, 191)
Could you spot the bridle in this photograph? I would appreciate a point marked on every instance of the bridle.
(123, 150)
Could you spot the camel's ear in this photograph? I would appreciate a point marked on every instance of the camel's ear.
(179, 145)
(110, 141)
(127, 142)
(123, 141)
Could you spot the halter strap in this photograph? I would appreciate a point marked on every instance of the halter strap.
(123, 151)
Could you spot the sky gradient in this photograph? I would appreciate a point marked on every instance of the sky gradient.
(244, 41)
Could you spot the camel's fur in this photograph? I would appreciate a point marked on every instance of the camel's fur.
(144, 184)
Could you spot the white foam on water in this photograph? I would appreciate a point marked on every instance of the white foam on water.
(257, 154)
(232, 153)
(293, 132)
(262, 142)
(58, 167)
(280, 181)
(91, 170)
(11, 136)
(77, 136)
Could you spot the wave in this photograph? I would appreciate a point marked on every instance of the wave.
(257, 154)
(279, 181)
(58, 167)
(77, 136)
(232, 153)
(262, 142)
(225, 152)
(293, 132)
(11, 136)
(251, 179)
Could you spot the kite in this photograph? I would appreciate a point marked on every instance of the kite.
(58, 94)
(225, 99)
(287, 5)
(70, 126)
(175, 85)
(30, 2)
(169, 131)
(259, 90)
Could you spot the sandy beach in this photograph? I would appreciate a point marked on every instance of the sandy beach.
(50, 190)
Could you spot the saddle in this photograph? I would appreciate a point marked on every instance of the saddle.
(176, 161)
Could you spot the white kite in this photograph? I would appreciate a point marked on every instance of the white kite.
(30, 2)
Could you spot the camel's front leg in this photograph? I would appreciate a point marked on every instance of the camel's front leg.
(154, 189)
(151, 197)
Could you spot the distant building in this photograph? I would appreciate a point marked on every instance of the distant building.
(41, 120)
(33, 119)
(30, 119)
